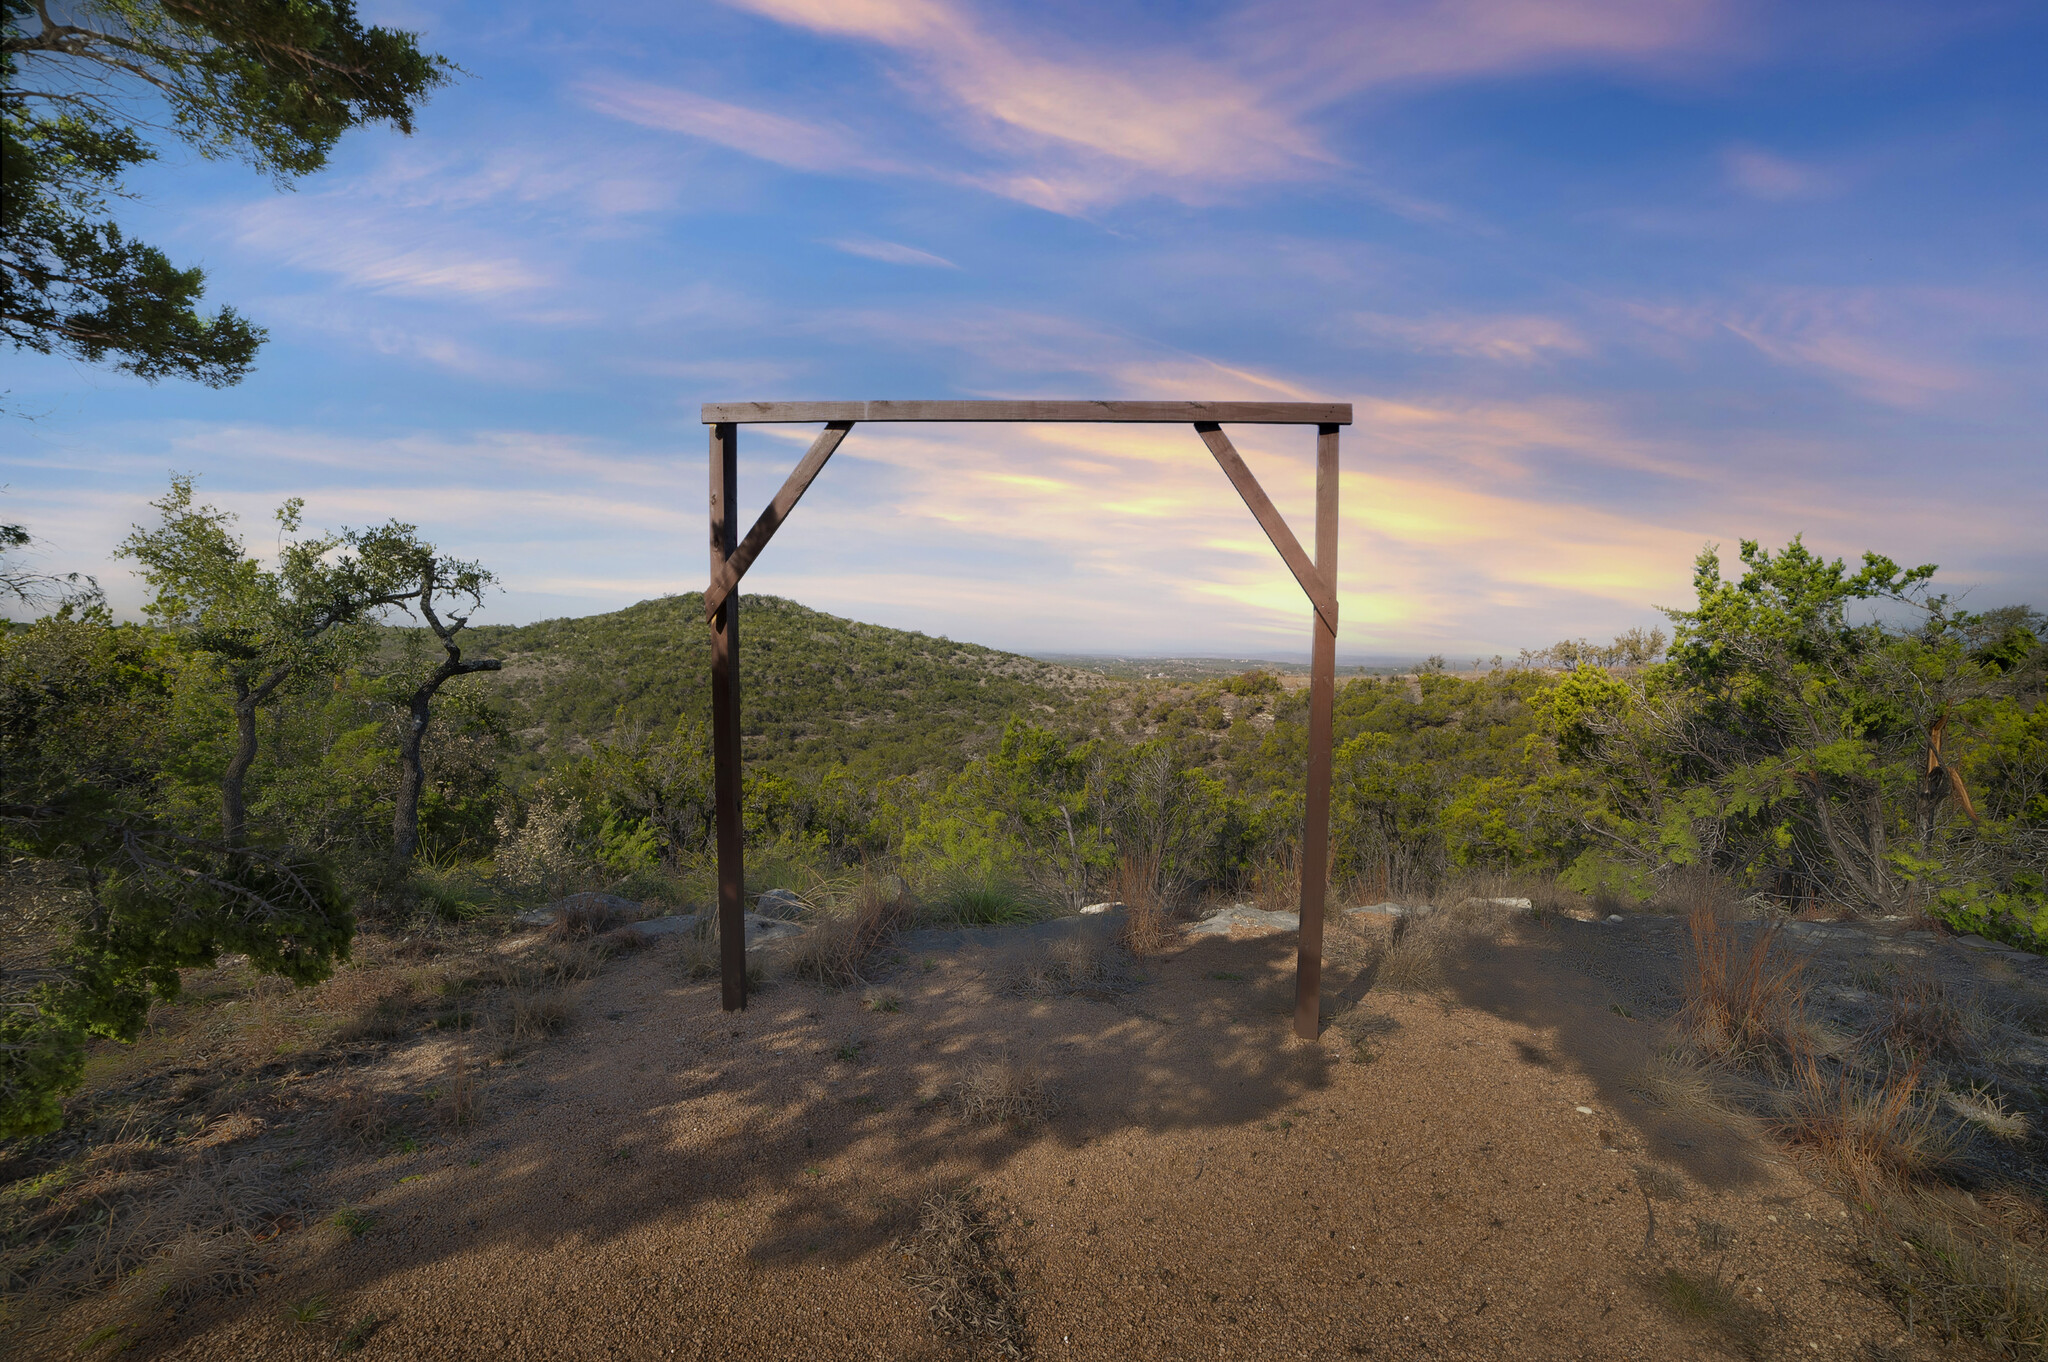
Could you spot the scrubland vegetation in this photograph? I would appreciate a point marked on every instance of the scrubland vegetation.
(219, 902)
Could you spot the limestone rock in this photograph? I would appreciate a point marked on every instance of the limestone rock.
(1102, 908)
(783, 904)
(679, 924)
(1244, 917)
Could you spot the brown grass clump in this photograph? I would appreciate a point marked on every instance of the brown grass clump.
(1003, 1089)
(462, 1106)
(835, 952)
(1958, 1272)
(584, 917)
(1871, 1132)
(1086, 963)
(1411, 962)
(361, 1114)
(1743, 1004)
(1147, 915)
(539, 1013)
(1922, 1017)
(957, 1267)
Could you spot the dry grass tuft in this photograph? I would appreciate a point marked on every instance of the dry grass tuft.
(957, 1267)
(1147, 915)
(1412, 960)
(1984, 1108)
(1743, 1004)
(1922, 1017)
(361, 1114)
(1003, 1089)
(1958, 1272)
(1871, 1132)
(835, 952)
(624, 940)
(193, 1267)
(1086, 963)
(462, 1106)
(579, 921)
(539, 1013)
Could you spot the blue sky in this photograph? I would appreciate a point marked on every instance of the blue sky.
(1605, 279)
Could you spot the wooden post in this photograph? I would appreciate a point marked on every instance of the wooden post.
(725, 722)
(1322, 686)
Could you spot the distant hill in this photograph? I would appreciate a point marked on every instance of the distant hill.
(815, 690)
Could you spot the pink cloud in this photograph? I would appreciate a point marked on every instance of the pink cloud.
(1762, 175)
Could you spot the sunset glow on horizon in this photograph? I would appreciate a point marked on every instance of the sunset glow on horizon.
(1605, 281)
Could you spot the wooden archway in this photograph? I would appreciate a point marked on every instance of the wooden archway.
(731, 556)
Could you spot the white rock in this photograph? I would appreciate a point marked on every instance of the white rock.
(1246, 917)
(1103, 908)
(1523, 904)
(1387, 909)
(1615, 917)
(781, 903)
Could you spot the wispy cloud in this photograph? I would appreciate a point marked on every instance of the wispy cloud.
(1235, 101)
(890, 252)
(1887, 346)
(322, 236)
(1510, 339)
(770, 136)
(1764, 175)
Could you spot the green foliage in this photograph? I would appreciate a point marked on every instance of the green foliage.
(275, 84)
(821, 693)
(124, 897)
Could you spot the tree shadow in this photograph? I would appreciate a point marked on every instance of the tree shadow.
(660, 1108)
(1526, 975)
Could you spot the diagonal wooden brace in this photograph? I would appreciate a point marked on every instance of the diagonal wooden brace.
(1322, 595)
(725, 577)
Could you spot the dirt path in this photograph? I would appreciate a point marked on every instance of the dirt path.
(1473, 1179)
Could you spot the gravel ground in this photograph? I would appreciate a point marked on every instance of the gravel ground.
(1474, 1180)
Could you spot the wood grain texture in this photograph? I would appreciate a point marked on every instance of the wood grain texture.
(1320, 594)
(1241, 413)
(1322, 688)
(725, 726)
(726, 574)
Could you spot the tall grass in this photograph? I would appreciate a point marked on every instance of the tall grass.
(835, 951)
(1139, 884)
(1871, 1132)
(1743, 1003)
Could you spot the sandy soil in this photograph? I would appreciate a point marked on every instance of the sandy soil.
(671, 1182)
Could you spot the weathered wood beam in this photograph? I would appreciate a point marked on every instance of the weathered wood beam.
(1322, 687)
(725, 726)
(726, 574)
(1321, 593)
(1161, 413)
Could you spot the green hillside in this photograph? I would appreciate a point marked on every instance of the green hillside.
(816, 690)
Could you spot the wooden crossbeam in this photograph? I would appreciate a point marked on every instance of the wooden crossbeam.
(1157, 413)
(1321, 594)
(725, 576)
